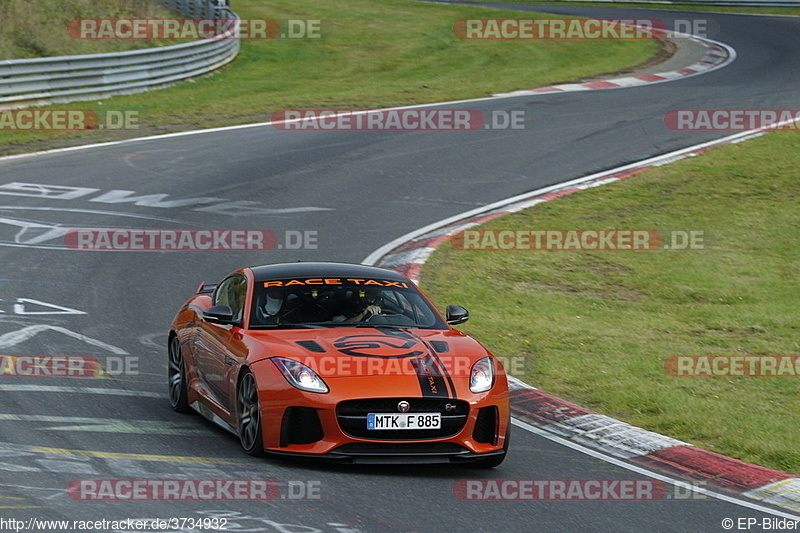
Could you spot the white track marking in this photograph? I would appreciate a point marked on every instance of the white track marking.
(81, 390)
(19, 308)
(91, 212)
(13, 338)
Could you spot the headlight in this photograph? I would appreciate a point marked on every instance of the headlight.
(481, 377)
(300, 376)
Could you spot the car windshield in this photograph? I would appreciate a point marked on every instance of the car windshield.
(334, 302)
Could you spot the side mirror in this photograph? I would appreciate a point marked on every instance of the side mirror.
(218, 314)
(455, 314)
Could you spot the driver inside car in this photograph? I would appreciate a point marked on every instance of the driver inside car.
(270, 303)
(363, 306)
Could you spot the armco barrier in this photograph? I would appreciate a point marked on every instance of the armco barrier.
(46, 80)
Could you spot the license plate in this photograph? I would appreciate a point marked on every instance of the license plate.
(379, 421)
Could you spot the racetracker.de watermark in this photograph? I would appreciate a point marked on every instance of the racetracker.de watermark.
(578, 240)
(574, 490)
(415, 119)
(67, 119)
(732, 119)
(182, 29)
(558, 28)
(173, 489)
(68, 366)
(192, 490)
(180, 240)
(733, 365)
(456, 366)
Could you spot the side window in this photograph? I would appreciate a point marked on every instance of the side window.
(231, 292)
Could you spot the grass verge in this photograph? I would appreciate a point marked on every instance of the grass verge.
(39, 28)
(376, 53)
(596, 327)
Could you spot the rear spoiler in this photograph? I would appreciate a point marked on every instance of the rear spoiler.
(207, 288)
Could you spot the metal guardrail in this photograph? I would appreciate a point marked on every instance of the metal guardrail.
(46, 80)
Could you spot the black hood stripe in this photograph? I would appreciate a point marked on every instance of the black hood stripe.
(430, 376)
(442, 369)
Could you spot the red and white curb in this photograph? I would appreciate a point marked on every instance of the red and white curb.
(408, 254)
(717, 55)
(651, 450)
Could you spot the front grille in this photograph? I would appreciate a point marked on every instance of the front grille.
(300, 425)
(352, 417)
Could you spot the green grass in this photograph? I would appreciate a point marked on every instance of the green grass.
(38, 28)
(376, 53)
(596, 327)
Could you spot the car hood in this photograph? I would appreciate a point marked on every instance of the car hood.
(350, 352)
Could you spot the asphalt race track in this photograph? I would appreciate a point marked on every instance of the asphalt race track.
(353, 192)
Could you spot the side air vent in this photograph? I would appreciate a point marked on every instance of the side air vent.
(440, 346)
(486, 425)
(300, 425)
(311, 346)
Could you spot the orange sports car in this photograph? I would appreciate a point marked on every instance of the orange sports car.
(337, 361)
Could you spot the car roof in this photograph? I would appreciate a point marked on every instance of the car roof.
(323, 269)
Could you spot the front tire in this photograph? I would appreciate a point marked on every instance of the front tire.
(249, 416)
(176, 374)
